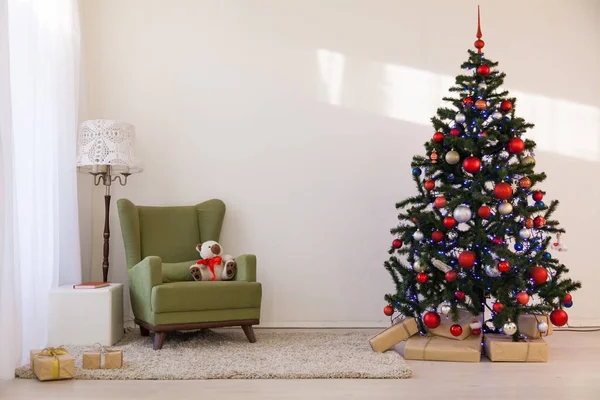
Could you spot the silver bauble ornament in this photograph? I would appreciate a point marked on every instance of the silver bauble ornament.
(419, 266)
(452, 157)
(509, 328)
(504, 154)
(418, 236)
(445, 309)
(497, 115)
(542, 326)
(525, 233)
(460, 118)
(492, 271)
(505, 208)
(528, 160)
(462, 214)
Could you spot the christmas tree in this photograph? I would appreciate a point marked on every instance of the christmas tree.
(478, 233)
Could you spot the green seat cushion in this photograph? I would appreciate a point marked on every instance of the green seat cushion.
(202, 296)
(177, 272)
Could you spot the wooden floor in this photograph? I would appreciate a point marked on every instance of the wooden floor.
(573, 372)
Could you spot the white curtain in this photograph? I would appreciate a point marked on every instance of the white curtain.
(39, 232)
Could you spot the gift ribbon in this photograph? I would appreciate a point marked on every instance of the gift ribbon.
(211, 263)
(429, 337)
(53, 352)
(103, 351)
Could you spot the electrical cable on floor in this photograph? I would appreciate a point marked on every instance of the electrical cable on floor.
(592, 328)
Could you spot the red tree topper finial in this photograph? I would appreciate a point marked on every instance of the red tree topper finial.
(479, 43)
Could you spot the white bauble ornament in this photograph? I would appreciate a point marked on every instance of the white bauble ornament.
(418, 235)
(509, 328)
(445, 309)
(497, 115)
(504, 155)
(492, 271)
(525, 233)
(460, 118)
(462, 214)
(542, 326)
(452, 157)
(505, 208)
(482, 86)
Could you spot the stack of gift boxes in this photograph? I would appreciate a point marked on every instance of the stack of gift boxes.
(463, 340)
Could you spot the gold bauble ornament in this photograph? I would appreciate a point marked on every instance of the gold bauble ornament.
(528, 223)
(481, 104)
(528, 160)
(452, 157)
(505, 208)
(525, 182)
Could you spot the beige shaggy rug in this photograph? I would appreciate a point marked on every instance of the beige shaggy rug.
(227, 354)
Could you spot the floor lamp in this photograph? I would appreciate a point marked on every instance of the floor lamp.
(105, 150)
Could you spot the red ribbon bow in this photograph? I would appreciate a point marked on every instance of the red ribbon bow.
(210, 263)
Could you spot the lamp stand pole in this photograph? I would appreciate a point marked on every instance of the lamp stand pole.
(103, 173)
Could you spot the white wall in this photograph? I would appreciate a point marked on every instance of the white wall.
(303, 117)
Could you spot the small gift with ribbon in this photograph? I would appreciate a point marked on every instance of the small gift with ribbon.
(438, 348)
(393, 335)
(502, 348)
(102, 358)
(52, 363)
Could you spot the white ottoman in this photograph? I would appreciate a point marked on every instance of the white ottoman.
(85, 316)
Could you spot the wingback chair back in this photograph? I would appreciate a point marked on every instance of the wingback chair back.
(170, 233)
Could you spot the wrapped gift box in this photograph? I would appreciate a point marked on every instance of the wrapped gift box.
(52, 364)
(465, 319)
(437, 348)
(528, 325)
(103, 359)
(502, 348)
(393, 335)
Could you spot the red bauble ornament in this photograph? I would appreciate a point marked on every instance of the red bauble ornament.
(431, 320)
(503, 266)
(437, 236)
(454, 132)
(438, 137)
(460, 295)
(449, 222)
(388, 310)
(456, 330)
(516, 145)
(471, 164)
(483, 70)
(498, 240)
(537, 195)
(479, 44)
(539, 275)
(468, 101)
(506, 105)
(497, 307)
(450, 276)
(439, 201)
(429, 184)
(559, 317)
(466, 259)
(476, 332)
(567, 299)
(481, 104)
(484, 212)
(422, 277)
(397, 243)
(503, 191)
(538, 221)
(522, 298)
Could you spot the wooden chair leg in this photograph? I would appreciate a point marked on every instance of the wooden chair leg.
(144, 331)
(159, 339)
(249, 331)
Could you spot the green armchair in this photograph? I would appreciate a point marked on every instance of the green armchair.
(160, 245)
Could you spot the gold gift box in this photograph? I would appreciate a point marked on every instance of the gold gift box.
(52, 364)
(502, 348)
(437, 348)
(465, 319)
(393, 335)
(528, 325)
(113, 359)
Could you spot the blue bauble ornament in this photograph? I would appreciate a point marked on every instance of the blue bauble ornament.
(547, 255)
(416, 171)
(568, 305)
(518, 246)
(539, 204)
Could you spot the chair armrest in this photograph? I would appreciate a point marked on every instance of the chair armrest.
(246, 268)
(142, 278)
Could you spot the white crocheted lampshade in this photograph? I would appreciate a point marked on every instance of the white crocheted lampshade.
(106, 142)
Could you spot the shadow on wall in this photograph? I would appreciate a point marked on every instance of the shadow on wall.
(413, 95)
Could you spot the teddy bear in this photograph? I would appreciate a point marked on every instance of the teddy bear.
(213, 266)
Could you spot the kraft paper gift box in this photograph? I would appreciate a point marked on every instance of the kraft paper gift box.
(393, 335)
(465, 319)
(502, 348)
(528, 325)
(437, 348)
(102, 358)
(52, 363)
